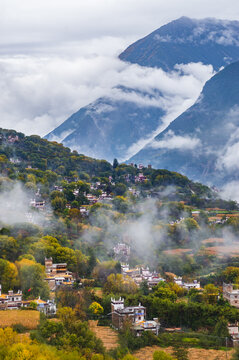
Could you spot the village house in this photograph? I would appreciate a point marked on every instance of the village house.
(234, 333)
(38, 204)
(57, 274)
(120, 313)
(58, 188)
(13, 301)
(121, 249)
(134, 191)
(192, 285)
(84, 210)
(12, 139)
(140, 178)
(15, 160)
(178, 280)
(136, 315)
(150, 325)
(126, 271)
(92, 199)
(10, 301)
(46, 307)
(105, 197)
(231, 294)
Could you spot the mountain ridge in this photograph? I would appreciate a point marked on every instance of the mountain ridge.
(213, 121)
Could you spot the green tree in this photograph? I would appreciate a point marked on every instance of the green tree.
(120, 189)
(161, 355)
(144, 288)
(180, 352)
(67, 315)
(231, 274)
(96, 309)
(91, 262)
(121, 204)
(58, 204)
(221, 329)
(32, 279)
(115, 164)
(8, 275)
(8, 247)
(210, 293)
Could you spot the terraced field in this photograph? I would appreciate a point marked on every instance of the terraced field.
(194, 354)
(108, 336)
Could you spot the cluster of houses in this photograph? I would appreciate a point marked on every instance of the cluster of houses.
(103, 197)
(13, 301)
(57, 274)
(187, 285)
(137, 178)
(136, 318)
(140, 166)
(140, 274)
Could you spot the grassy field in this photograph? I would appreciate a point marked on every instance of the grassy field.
(28, 318)
(194, 354)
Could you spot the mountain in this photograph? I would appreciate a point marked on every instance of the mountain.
(107, 128)
(186, 40)
(111, 126)
(203, 142)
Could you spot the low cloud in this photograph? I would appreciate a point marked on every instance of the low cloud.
(230, 159)
(228, 156)
(17, 209)
(172, 141)
(39, 91)
(230, 191)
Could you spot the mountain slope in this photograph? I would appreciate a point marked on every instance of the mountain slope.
(185, 40)
(107, 128)
(111, 126)
(203, 142)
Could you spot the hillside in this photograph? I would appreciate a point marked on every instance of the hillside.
(202, 142)
(51, 164)
(34, 152)
(110, 126)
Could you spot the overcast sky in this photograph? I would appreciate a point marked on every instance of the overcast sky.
(56, 56)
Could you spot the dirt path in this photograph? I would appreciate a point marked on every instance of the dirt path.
(194, 354)
(108, 336)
